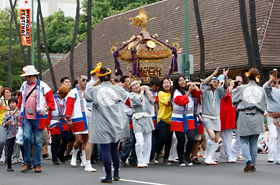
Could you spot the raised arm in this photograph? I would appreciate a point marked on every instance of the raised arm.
(208, 79)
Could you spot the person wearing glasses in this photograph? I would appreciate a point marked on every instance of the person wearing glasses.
(76, 112)
(211, 99)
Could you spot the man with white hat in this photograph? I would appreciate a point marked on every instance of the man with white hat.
(36, 102)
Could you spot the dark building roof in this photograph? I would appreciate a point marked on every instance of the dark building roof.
(224, 43)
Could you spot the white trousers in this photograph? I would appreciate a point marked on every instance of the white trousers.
(143, 147)
(273, 151)
(226, 135)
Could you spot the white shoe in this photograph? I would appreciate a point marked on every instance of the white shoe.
(209, 146)
(90, 169)
(73, 162)
(181, 164)
(83, 162)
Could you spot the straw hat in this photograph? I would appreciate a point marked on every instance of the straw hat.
(29, 70)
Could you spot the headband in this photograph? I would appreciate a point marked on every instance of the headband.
(257, 78)
(134, 82)
(97, 70)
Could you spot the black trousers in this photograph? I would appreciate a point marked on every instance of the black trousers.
(181, 142)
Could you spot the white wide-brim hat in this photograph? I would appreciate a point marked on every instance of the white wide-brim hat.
(29, 70)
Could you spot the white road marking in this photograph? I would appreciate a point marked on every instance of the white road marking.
(139, 182)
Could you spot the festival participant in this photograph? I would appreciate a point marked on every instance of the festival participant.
(154, 84)
(229, 116)
(4, 107)
(142, 102)
(11, 125)
(199, 126)
(76, 112)
(164, 120)
(228, 124)
(273, 117)
(110, 122)
(129, 145)
(36, 103)
(251, 102)
(182, 120)
(59, 127)
(211, 99)
(93, 82)
(66, 82)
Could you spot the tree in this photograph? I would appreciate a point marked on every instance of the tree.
(246, 35)
(45, 43)
(254, 38)
(251, 42)
(74, 42)
(17, 59)
(201, 39)
(89, 38)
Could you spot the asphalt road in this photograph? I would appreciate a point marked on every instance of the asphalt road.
(223, 173)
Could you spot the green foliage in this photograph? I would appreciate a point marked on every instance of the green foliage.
(106, 8)
(17, 58)
(59, 32)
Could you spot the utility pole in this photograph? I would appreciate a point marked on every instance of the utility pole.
(32, 34)
(186, 62)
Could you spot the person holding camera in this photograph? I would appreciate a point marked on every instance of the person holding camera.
(228, 124)
(211, 99)
(36, 102)
(182, 118)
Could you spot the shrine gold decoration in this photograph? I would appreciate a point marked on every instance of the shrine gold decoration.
(150, 52)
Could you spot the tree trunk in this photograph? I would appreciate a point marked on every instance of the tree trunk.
(246, 35)
(39, 45)
(10, 49)
(74, 42)
(46, 46)
(201, 39)
(18, 31)
(254, 38)
(89, 38)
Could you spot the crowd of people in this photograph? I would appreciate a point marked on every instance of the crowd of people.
(126, 123)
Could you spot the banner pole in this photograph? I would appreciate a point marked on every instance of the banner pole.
(32, 34)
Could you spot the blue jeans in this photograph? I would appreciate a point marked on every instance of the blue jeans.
(30, 134)
(249, 147)
(129, 145)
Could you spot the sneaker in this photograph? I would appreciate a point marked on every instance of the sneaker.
(188, 161)
(277, 163)
(55, 163)
(122, 163)
(10, 169)
(196, 161)
(156, 159)
(270, 161)
(106, 180)
(61, 158)
(90, 169)
(181, 164)
(133, 164)
(253, 169)
(249, 166)
(45, 156)
(166, 162)
(116, 178)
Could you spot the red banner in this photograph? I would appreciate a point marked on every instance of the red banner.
(25, 26)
